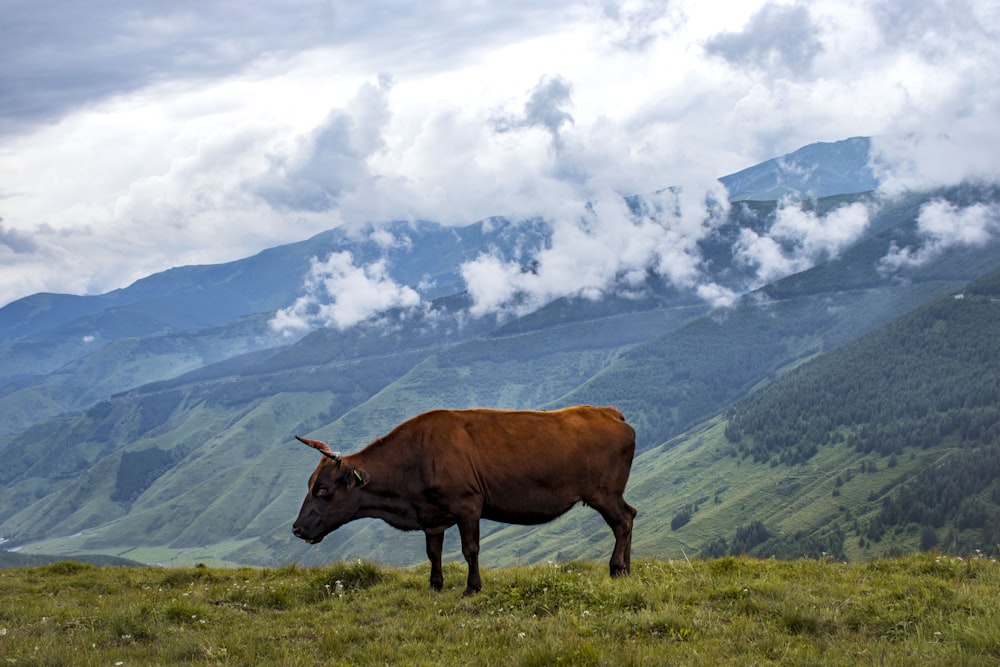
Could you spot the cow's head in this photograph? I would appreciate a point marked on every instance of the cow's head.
(333, 498)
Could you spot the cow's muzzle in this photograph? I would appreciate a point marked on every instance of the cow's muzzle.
(299, 533)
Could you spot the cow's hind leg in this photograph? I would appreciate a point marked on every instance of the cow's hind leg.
(435, 546)
(468, 528)
(619, 515)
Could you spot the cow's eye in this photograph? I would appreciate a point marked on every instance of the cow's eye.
(321, 492)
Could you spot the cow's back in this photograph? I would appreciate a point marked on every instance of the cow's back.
(528, 466)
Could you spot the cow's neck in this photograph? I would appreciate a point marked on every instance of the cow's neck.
(397, 515)
(384, 499)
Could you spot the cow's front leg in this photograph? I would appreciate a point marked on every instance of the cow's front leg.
(435, 546)
(468, 528)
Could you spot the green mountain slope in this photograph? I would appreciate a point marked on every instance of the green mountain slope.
(119, 365)
(184, 319)
(926, 387)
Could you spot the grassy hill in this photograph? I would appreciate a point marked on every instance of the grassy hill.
(923, 609)
(13, 559)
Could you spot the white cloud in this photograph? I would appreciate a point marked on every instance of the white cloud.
(340, 294)
(942, 225)
(16, 242)
(601, 248)
(799, 239)
(332, 159)
(778, 39)
(492, 283)
(944, 98)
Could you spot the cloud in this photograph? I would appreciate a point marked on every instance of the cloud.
(66, 56)
(945, 151)
(635, 26)
(799, 239)
(945, 122)
(777, 39)
(930, 27)
(605, 247)
(340, 294)
(333, 158)
(942, 225)
(16, 241)
(544, 109)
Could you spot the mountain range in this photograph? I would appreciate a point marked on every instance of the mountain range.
(155, 422)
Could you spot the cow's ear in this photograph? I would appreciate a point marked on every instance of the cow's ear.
(357, 478)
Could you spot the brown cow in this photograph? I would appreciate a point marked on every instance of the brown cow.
(448, 467)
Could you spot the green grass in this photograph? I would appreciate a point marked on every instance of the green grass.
(923, 609)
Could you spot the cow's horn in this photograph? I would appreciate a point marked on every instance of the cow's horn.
(323, 448)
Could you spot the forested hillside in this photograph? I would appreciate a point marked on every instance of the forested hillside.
(928, 382)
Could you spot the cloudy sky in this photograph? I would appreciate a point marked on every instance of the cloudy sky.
(136, 135)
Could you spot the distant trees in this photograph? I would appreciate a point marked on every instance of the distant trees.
(749, 536)
(746, 538)
(682, 517)
(756, 539)
(928, 380)
(138, 470)
(963, 490)
(931, 376)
